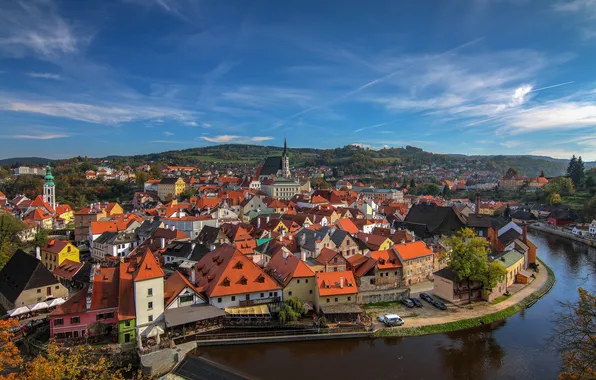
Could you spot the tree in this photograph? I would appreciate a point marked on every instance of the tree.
(41, 237)
(512, 172)
(468, 257)
(554, 199)
(446, 191)
(141, 178)
(493, 276)
(576, 171)
(571, 167)
(291, 310)
(575, 337)
(10, 357)
(5, 253)
(541, 174)
(560, 185)
(412, 184)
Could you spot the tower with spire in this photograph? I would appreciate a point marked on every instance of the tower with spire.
(285, 162)
(49, 188)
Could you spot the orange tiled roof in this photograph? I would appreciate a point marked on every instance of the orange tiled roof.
(226, 271)
(74, 305)
(39, 202)
(387, 259)
(347, 225)
(412, 250)
(126, 301)
(329, 283)
(148, 268)
(326, 255)
(62, 209)
(38, 214)
(285, 269)
(105, 289)
(176, 283)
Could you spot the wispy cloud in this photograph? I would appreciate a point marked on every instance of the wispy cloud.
(41, 136)
(584, 12)
(182, 9)
(166, 133)
(37, 28)
(45, 76)
(511, 143)
(235, 139)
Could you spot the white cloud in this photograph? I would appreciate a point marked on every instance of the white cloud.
(235, 139)
(511, 143)
(520, 94)
(100, 114)
(191, 123)
(166, 133)
(45, 76)
(40, 136)
(563, 115)
(36, 27)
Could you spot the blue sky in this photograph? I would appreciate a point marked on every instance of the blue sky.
(138, 76)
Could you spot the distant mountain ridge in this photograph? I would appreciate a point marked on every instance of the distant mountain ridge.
(25, 161)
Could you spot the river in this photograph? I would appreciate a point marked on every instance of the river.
(516, 348)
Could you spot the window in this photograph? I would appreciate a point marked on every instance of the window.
(57, 287)
(219, 300)
(275, 294)
(187, 298)
(38, 291)
(110, 315)
(262, 295)
(310, 291)
(327, 300)
(150, 305)
(149, 292)
(306, 280)
(75, 320)
(99, 317)
(248, 297)
(335, 299)
(127, 324)
(150, 318)
(289, 293)
(298, 281)
(127, 338)
(58, 322)
(349, 298)
(233, 298)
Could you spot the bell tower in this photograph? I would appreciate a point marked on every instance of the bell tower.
(285, 162)
(49, 188)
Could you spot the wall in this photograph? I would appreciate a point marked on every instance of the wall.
(86, 319)
(331, 300)
(123, 329)
(226, 301)
(31, 296)
(387, 295)
(443, 288)
(303, 288)
(415, 272)
(142, 299)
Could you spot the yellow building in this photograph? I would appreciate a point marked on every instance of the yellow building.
(56, 251)
(294, 275)
(170, 188)
(64, 213)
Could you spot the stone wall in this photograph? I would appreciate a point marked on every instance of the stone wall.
(388, 295)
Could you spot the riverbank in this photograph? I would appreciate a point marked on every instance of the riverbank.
(559, 232)
(488, 313)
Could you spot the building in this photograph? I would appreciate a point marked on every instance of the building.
(24, 280)
(379, 195)
(228, 278)
(296, 278)
(170, 187)
(49, 188)
(190, 225)
(432, 220)
(93, 213)
(592, 227)
(113, 244)
(448, 286)
(281, 188)
(148, 285)
(91, 311)
(275, 166)
(56, 251)
(418, 261)
(336, 296)
(331, 261)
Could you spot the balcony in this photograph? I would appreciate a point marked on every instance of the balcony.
(261, 301)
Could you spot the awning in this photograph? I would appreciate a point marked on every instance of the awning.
(153, 332)
(56, 302)
(341, 309)
(248, 310)
(18, 311)
(38, 306)
(188, 314)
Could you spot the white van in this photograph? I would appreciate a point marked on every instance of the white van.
(391, 320)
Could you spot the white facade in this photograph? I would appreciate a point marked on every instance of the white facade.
(186, 297)
(284, 190)
(149, 305)
(190, 227)
(232, 301)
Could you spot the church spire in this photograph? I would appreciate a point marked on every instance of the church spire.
(285, 147)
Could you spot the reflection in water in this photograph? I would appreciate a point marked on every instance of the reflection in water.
(510, 349)
(474, 355)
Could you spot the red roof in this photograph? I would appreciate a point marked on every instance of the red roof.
(412, 250)
(148, 268)
(330, 283)
(39, 202)
(55, 246)
(105, 289)
(347, 225)
(67, 269)
(38, 214)
(285, 269)
(175, 284)
(387, 259)
(326, 255)
(126, 299)
(226, 271)
(62, 209)
(76, 304)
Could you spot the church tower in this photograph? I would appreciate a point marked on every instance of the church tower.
(49, 189)
(285, 162)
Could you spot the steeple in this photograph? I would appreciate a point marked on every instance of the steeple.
(49, 188)
(285, 147)
(285, 162)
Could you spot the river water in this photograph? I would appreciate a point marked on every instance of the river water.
(517, 348)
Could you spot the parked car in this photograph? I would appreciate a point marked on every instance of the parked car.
(440, 305)
(426, 297)
(391, 320)
(407, 302)
(416, 302)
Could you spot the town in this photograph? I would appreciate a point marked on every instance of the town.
(196, 251)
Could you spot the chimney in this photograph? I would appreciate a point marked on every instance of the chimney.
(477, 204)
(283, 233)
(193, 276)
(402, 241)
(192, 246)
(38, 253)
(162, 243)
(258, 222)
(366, 239)
(392, 231)
(212, 247)
(267, 219)
(173, 228)
(524, 232)
(303, 256)
(284, 254)
(341, 282)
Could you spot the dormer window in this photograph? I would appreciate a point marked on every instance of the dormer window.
(226, 282)
(261, 278)
(244, 280)
(238, 265)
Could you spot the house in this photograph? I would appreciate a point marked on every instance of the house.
(41, 218)
(311, 242)
(296, 278)
(91, 311)
(331, 260)
(581, 230)
(388, 269)
(448, 286)
(127, 332)
(64, 215)
(561, 217)
(56, 251)
(228, 278)
(513, 262)
(346, 225)
(177, 252)
(74, 276)
(432, 220)
(336, 296)
(113, 244)
(170, 187)
(212, 237)
(24, 280)
(344, 243)
(537, 183)
(375, 242)
(592, 227)
(190, 225)
(417, 261)
(83, 219)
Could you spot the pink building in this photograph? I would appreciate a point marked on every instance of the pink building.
(97, 302)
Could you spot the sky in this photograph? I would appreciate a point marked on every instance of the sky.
(124, 77)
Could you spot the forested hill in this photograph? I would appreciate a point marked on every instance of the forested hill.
(353, 159)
